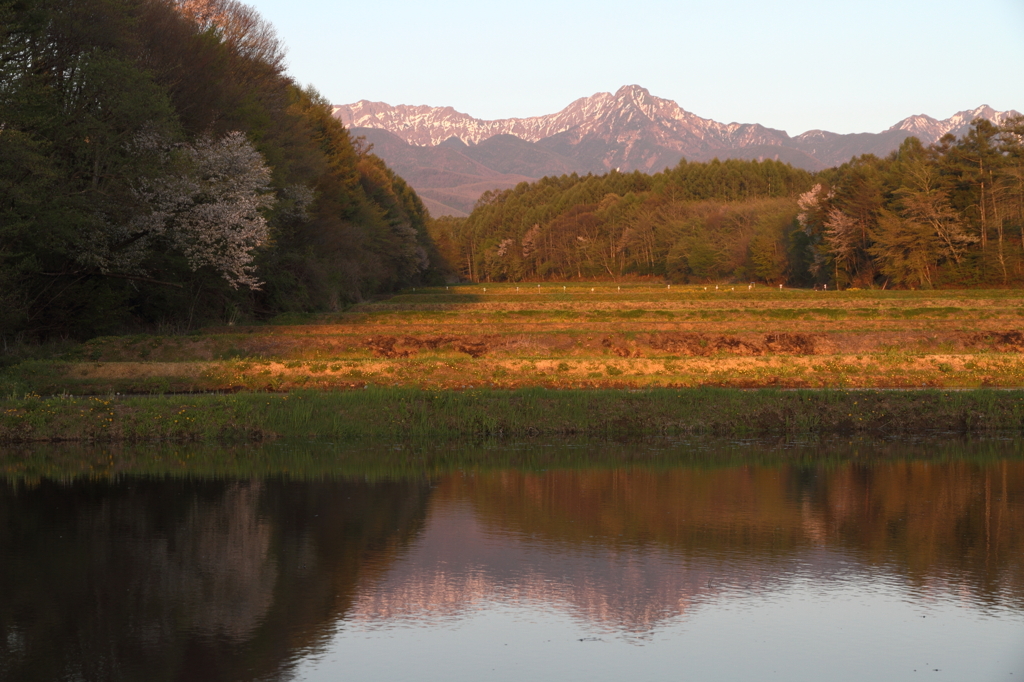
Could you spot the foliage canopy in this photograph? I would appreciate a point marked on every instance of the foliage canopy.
(158, 167)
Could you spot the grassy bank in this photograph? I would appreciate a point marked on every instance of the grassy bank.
(31, 463)
(404, 413)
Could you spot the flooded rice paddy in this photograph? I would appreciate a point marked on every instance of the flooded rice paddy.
(699, 560)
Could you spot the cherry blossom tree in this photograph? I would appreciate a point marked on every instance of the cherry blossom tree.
(842, 233)
(216, 216)
(206, 203)
(813, 213)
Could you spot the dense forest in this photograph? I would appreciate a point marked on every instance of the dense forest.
(698, 221)
(160, 170)
(948, 215)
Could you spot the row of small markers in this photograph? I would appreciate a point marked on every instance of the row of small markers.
(749, 287)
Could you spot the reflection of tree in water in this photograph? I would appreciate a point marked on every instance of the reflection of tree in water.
(198, 580)
(629, 548)
(210, 580)
(945, 526)
(961, 521)
(217, 562)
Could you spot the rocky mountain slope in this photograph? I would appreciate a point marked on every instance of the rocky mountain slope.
(450, 158)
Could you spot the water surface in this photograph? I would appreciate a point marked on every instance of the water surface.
(662, 561)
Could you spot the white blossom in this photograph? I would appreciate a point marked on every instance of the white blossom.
(808, 202)
(208, 205)
(217, 219)
(841, 234)
(504, 246)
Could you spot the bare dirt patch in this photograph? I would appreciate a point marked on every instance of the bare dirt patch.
(792, 344)
(393, 347)
(136, 370)
(1004, 342)
(697, 344)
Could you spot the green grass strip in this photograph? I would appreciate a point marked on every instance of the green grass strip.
(402, 413)
(389, 460)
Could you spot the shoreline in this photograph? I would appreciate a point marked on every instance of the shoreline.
(404, 413)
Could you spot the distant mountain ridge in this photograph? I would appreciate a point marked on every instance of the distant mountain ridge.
(629, 130)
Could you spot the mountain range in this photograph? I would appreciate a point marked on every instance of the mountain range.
(451, 158)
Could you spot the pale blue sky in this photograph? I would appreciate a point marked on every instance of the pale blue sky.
(852, 66)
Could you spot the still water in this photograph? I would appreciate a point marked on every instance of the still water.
(593, 561)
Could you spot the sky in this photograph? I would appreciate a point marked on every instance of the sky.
(844, 66)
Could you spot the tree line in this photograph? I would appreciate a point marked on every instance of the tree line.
(158, 168)
(695, 222)
(951, 214)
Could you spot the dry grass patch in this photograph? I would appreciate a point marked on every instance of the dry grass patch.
(643, 335)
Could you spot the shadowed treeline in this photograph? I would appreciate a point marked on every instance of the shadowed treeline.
(159, 169)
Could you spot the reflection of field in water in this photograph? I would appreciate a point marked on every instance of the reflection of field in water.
(425, 561)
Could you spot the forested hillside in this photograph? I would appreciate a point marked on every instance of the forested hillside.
(951, 214)
(158, 168)
(698, 221)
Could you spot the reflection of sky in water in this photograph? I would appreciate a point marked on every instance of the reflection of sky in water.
(847, 630)
(471, 600)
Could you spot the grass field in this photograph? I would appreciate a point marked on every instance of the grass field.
(588, 335)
